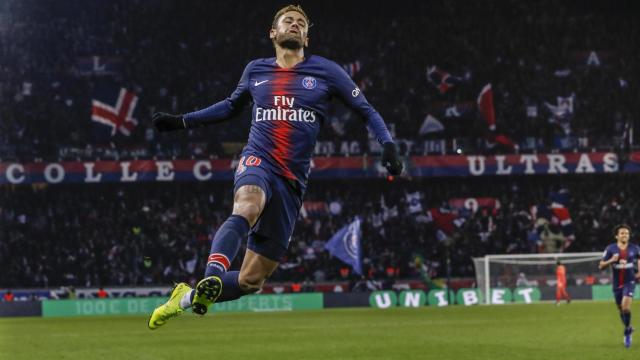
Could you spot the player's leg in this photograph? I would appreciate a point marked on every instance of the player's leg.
(249, 202)
(252, 275)
(626, 318)
(565, 294)
(254, 272)
(617, 295)
(625, 309)
(268, 241)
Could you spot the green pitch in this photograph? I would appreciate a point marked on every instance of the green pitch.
(588, 330)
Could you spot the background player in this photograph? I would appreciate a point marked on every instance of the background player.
(624, 258)
(291, 96)
(561, 283)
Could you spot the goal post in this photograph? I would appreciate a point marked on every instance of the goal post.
(522, 270)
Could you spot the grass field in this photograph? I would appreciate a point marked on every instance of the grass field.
(587, 330)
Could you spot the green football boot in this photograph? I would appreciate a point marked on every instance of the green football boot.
(207, 292)
(169, 309)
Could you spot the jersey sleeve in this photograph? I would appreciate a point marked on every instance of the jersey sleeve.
(607, 254)
(350, 94)
(225, 109)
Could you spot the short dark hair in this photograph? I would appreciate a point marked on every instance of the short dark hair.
(296, 8)
(621, 226)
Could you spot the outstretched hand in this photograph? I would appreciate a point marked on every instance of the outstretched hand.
(390, 159)
(164, 122)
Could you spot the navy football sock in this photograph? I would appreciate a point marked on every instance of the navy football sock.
(225, 245)
(230, 290)
(626, 318)
(230, 287)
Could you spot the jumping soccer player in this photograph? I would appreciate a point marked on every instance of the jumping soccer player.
(291, 96)
(561, 283)
(624, 257)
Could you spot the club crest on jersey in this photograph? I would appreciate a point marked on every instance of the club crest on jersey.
(309, 82)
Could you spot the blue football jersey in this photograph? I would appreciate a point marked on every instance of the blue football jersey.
(625, 268)
(289, 108)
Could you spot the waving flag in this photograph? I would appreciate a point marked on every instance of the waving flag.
(442, 79)
(413, 202)
(430, 125)
(564, 107)
(345, 245)
(485, 106)
(557, 211)
(118, 117)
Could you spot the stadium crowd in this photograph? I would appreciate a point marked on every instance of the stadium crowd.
(560, 79)
(143, 234)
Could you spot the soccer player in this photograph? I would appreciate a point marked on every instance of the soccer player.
(624, 258)
(561, 283)
(291, 94)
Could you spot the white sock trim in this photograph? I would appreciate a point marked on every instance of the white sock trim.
(185, 302)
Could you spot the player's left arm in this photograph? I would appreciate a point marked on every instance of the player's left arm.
(353, 97)
(216, 113)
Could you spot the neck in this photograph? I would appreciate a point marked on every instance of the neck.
(288, 58)
(622, 244)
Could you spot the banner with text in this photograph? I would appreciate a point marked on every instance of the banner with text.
(139, 306)
(351, 167)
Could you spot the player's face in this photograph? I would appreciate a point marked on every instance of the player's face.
(291, 31)
(623, 235)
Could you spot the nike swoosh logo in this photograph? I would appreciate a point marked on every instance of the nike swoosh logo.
(259, 83)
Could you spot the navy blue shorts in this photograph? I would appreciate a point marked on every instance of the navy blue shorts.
(270, 236)
(626, 290)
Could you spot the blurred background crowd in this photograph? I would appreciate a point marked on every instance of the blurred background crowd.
(111, 235)
(561, 79)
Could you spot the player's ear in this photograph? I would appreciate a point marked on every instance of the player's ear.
(306, 42)
(272, 33)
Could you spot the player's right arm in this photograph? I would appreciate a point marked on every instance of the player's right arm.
(608, 258)
(216, 113)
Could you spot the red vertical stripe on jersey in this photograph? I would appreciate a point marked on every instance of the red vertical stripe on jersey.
(282, 127)
(623, 255)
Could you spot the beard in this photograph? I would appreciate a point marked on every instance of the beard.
(289, 41)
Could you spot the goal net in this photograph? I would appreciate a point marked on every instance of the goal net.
(532, 270)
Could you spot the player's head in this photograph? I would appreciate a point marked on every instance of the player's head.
(622, 232)
(290, 28)
(558, 262)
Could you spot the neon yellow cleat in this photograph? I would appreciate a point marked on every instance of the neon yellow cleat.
(207, 292)
(169, 309)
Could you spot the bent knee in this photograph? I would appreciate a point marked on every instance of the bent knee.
(248, 202)
(250, 284)
(248, 210)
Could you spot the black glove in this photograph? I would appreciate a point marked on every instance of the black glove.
(166, 122)
(390, 159)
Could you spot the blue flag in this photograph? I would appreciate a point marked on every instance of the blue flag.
(345, 245)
